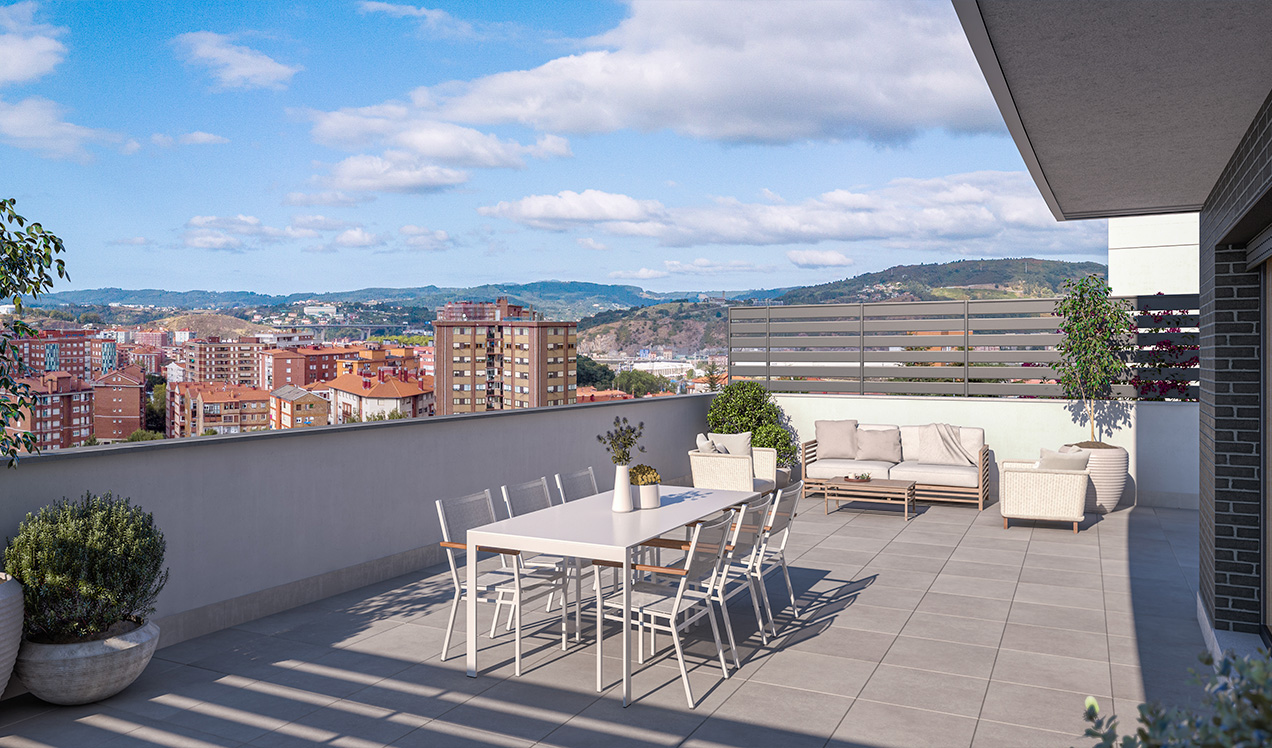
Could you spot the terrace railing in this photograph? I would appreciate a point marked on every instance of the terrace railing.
(987, 348)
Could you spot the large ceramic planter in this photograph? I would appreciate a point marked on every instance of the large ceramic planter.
(1108, 471)
(88, 671)
(10, 625)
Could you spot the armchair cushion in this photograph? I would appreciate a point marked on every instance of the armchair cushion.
(836, 440)
(1063, 461)
(878, 444)
(732, 444)
(826, 469)
(966, 476)
(704, 445)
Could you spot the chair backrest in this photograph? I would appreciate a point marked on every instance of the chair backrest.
(749, 529)
(576, 485)
(523, 498)
(458, 516)
(783, 511)
(722, 472)
(706, 548)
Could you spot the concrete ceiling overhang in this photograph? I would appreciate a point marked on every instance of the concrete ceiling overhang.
(1125, 107)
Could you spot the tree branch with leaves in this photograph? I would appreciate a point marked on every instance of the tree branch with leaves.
(1098, 331)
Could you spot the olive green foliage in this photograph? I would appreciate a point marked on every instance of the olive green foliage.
(715, 377)
(142, 435)
(86, 565)
(1097, 338)
(1236, 712)
(644, 475)
(592, 374)
(747, 406)
(208, 432)
(620, 440)
(29, 257)
(157, 408)
(90, 318)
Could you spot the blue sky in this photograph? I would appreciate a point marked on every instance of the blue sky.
(285, 147)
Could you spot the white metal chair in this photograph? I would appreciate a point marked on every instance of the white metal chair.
(531, 496)
(577, 485)
(772, 556)
(671, 607)
(502, 586)
(737, 572)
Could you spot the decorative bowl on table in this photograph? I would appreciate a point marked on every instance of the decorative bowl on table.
(858, 478)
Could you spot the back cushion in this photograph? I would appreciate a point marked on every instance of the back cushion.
(836, 440)
(971, 438)
(879, 444)
(732, 444)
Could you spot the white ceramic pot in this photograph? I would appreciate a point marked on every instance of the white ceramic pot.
(622, 489)
(1108, 470)
(10, 625)
(88, 671)
(649, 497)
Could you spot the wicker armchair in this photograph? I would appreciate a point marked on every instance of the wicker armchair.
(1027, 492)
(725, 472)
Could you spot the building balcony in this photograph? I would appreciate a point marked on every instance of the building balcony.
(296, 616)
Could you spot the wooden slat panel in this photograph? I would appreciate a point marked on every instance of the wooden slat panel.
(812, 341)
(1014, 390)
(1014, 323)
(954, 357)
(851, 387)
(907, 325)
(1012, 306)
(1032, 339)
(1011, 357)
(803, 326)
(1011, 372)
(814, 311)
(912, 308)
(915, 388)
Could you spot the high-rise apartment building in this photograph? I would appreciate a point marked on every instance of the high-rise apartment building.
(216, 407)
(103, 354)
(119, 404)
(230, 361)
(504, 364)
(63, 412)
(58, 350)
(483, 311)
(154, 338)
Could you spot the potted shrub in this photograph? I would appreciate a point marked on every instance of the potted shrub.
(619, 442)
(1097, 333)
(30, 257)
(747, 406)
(91, 571)
(648, 479)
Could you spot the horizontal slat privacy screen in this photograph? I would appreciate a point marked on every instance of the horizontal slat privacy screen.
(999, 348)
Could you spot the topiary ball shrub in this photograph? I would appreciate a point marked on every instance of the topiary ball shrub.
(747, 406)
(86, 566)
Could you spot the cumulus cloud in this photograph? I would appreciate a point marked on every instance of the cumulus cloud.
(234, 65)
(131, 241)
(234, 232)
(320, 223)
(825, 71)
(358, 237)
(700, 266)
(641, 274)
(198, 137)
(38, 124)
(587, 242)
(163, 141)
(419, 237)
(437, 22)
(393, 172)
(129, 148)
(818, 258)
(331, 198)
(980, 212)
(211, 239)
(28, 51)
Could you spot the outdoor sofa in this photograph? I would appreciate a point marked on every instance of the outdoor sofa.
(946, 462)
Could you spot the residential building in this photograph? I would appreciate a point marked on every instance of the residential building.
(197, 407)
(63, 412)
(427, 357)
(370, 362)
(504, 364)
(483, 311)
(290, 338)
(301, 366)
(358, 398)
(593, 395)
(319, 310)
(292, 407)
(103, 354)
(153, 338)
(229, 361)
(119, 404)
(184, 335)
(150, 359)
(58, 350)
(118, 334)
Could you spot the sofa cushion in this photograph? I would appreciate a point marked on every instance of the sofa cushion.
(962, 476)
(881, 444)
(971, 438)
(827, 469)
(732, 444)
(1050, 460)
(941, 444)
(704, 445)
(836, 440)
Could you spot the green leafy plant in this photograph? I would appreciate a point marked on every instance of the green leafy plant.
(1236, 712)
(85, 566)
(1097, 333)
(747, 406)
(620, 440)
(644, 475)
(142, 435)
(29, 255)
(714, 376)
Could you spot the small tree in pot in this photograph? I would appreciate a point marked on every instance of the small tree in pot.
(91, 572)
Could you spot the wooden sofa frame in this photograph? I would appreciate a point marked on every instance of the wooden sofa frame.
(922, 491)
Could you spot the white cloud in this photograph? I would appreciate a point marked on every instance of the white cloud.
(703, 266)
(642, 274)
(222, 232)
(320, 223)
(419, 237)
(211, 239)
(558, 212)
(333, 198)
(400, 127)
(393, 172)
(879, 71)
(163, 141)
(28, 51)
(818, 258)
(129, 148)
(234, 65)
(358, 237)
(131, 241)
(588, 242)
(980, 212)
(37, 124)
(439, 22)
(198, 137)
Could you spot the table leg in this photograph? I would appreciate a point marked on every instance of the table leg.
(470, 608)
(627, 626)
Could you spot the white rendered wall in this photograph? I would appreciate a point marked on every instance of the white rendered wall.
(1160, 438)
(1148, 254)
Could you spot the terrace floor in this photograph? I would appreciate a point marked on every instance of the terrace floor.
(946, 631)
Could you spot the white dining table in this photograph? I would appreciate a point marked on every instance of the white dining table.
(587, 529)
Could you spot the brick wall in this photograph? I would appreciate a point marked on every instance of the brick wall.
(1230, 391)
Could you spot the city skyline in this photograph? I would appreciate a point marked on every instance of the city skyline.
(675, 146)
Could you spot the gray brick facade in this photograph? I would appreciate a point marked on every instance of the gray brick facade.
(1232, 437)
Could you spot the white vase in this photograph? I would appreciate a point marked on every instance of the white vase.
(649, 497)
(1108, 471)
(10, 625)
(622, 489)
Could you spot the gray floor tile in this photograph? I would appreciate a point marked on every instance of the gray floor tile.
(998, 735)
(901, 547)
(812, 672)
(924, 689)
(1080, 564)
(965, 606)
(953, 584)
(1040, 708)
(442, 734)
(941, 656)
(1053, 671)
(889, 560)
(990, 556)
(876, 725)
(343, 722)
(885, 596)
(1055, 616)
(1053, 547)
(915, 580)
(871, 618)
(767, 715)
(1043, 640)
(839, 642)
(978, 570)
(954, 629)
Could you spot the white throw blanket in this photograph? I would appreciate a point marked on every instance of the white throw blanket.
(939, 444)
